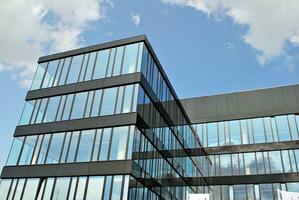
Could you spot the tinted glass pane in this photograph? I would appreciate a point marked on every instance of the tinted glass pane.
(15, 151)
(48, 189)
(58, 72)
(79, 105)
(19, 189)
(107, 188)
(235, 133)
(66, 64)
(52, 109)
(108, 103)
(49, 75)
(27, 150)
(282, 128)
(95, 188)
(101, 64)
(38, 77)
(130, 59)
(55, 148)
(212, 134)
(27, 111)
(74, 70)
(36, 150)
(258, 130)
(111, 62)
(81, 188)
(67, 107)
(41, 110)
(275, 162)
(43, 150)
(90, 66)
(30, 188)
(105, 144)
(266, 191)
(85, 146)
(118, 61)
(127, 105)
(116, 190)
(97, 145)
(73, 147)
(293, 127)
(250, 163)
(225, 161)
(119, 143)
(65, 147)
(4, 187)
(61, 188)
(96, 103)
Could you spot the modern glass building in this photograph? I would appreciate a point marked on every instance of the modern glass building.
(104, 122)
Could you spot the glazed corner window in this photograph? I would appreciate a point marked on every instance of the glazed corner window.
(15, 151)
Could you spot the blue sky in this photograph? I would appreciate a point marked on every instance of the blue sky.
(205, 47)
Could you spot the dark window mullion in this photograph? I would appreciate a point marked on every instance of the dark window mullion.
(108, 63)
(43, 79)
(94, 65)
(68, 71)
(56, 71)
(48, 148)
(77, 148)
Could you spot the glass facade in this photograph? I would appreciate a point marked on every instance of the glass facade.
(157, 144)
(249, 131)
(89, 66)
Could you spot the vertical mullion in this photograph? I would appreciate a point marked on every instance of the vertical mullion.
(115, 55)
(93, 144)
(111, 187)
(38, 154)
(72, 105)
(68, 71)
(21, 151)
(57, 68)
(138, 54)
(86, 66)
(122, 60)
(62, 147)
(43, 79)
(10, 188)
(77, 148)
(33, 121)
(68, 147)
(58, 108)
(33, 111)
(50, 141)
(101, 101)
(81, 67)
(110, 143)
(94, 65)
(45, 112)
(91, 103)
(108, 63)
(61, 70)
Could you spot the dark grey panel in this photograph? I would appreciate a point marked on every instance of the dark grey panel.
(77, 124)
(241, 105)
(73, 169)
(85, 86)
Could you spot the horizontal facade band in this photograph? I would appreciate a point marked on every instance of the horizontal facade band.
(274, 146)
(114, 81)
(118, 167)
(77, 124)
(224, 180)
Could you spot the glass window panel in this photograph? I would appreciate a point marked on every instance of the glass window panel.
(235, 164)
(96, 103)
(296, 151)
(126, 187)
(282, 128)
(27, 111)
(61, 188)
(65, 68)
(90, 66)
(58, 72)
(101, 64)
(27, 150)
(239, 192)
(41, 189)
(225, 161)
(128, 98)
(260, 162)
(73, 188)
(130, 58)
(15, 151)
(65, 147)
(43, 150)
(49, 75)
(116, 188)
(109, 100)
(36, 150)
(274, 129)
(85, 146)
(48, 189)
(105, 144)
(286, 161)
(130, 143)
(97, 145)
(212, 134)
(293, 161)
(30, 189)
(250, 192)
(119, 143)
(60, 108)
(38, 77)
(107, 188)
(67, 107)
(235, 132)
(221, 133)
(258, 130)
(250, 163)
(74, 69)
(293, 127)
(95, 188)
(293, 187)
(275, 161)
(244, 131)
(81, 188)
(55, 148)
(90, 97)
(79, 105)
(19, 189)
(41, 110)
(118, 61)
(73, 147)
(111, 62)
(135, 96)
(52, 107)
(119, 103)
(266, 191)
(268, 129)
(83, 69)
(4, 187)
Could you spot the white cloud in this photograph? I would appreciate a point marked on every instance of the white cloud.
(33, 28)
(271, 23)
(135, 19)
